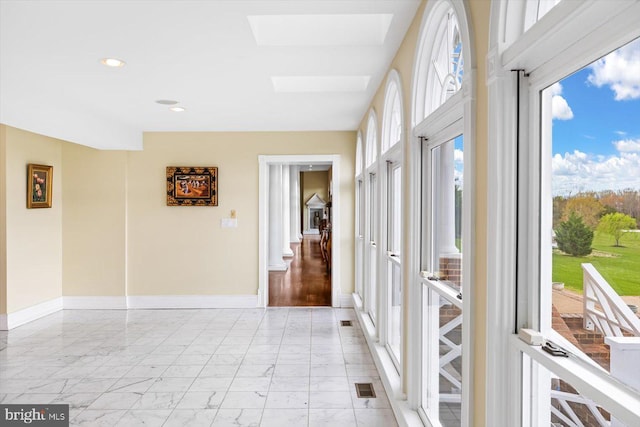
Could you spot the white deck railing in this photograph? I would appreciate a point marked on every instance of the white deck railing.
(604, 310)
(567, 414)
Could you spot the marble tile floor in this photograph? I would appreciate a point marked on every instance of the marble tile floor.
(220, 367)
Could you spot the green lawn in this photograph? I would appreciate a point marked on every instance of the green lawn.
(619, 266)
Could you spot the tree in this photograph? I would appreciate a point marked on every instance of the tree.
(585, 205)
(614, 225)
(574, 237)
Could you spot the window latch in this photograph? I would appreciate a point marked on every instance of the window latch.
(554, 349)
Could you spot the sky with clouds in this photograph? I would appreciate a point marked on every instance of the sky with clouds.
(596, 125)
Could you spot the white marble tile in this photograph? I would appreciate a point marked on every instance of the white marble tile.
(232, 349)
(226, 359)
(289, 384)
(170, 349)
(362, 371)
(238, 418)
(250, 370)
(74, 400)
(110, 400)
(358, 359)
(97, 418)
(150, 418)
(25, 398)
(332, 418)
(293, 358)
(201, 400)
(110, 371)
(261, 359)
(201, 349)
(375, 418)
(244, 399)
(287, 399)
(330, 384)
(328, 370)
(139, 385)
(211, 384)
(190, 417)
(192, 359)
(327, 358)
(159, 359)
(182, 371)
(142, 371)
(250, 384)
(284, 417)
(263, 349)
(301, 370)
(171, 384)
(222, 371)
(88, 385)
(158, 400)
(295, 348)
(329, 400)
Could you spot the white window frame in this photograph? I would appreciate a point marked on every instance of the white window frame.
(359, 220)
(571, 35)
(456, 116)
(372, 227)
(392, 153)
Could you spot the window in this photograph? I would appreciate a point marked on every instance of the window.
(540, 105)
(391, 221)
(371, 256)
(359, 255)
(442, 118)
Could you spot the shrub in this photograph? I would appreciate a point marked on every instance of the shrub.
(574, 237)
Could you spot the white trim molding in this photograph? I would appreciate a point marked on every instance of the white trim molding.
(29, 314)
(263, 207)
(191, 301)
(94, 302)
(346, 300)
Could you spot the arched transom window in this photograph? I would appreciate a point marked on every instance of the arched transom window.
(392, 124)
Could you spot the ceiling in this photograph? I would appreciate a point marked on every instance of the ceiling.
(233, 65)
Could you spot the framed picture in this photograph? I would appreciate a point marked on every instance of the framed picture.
(192, 186)
(39, 184)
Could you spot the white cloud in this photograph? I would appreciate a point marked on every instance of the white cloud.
(458, 156)
(556, 89)
(621, 132)
(560, 108)
(627, 145)
(578, 171)
(620, 70)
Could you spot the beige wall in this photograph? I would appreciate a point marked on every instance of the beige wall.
(313, 182)
(33, 236)
(183, 250)
(93, 224)
(3, 220)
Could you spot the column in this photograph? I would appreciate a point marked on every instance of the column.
(286, 213)
(275, 219)
(294, 204)
(447, 190)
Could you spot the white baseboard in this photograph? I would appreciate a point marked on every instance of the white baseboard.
(346, 300)
(193, 301)
(29, 314)
(94, 303)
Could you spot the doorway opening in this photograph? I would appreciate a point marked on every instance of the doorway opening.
(299, 219)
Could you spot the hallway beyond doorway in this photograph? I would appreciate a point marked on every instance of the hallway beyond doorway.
(307, 282)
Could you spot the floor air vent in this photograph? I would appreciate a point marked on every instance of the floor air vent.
(346, 323)
(365, 390)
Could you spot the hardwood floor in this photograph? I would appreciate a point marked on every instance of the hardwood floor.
(307, 281)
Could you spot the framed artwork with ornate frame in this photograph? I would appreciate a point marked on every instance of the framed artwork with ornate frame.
(192, 186)
(39, 184)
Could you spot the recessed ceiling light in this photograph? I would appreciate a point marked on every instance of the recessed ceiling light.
(166, 102)
(112, 62)
(177, 109)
